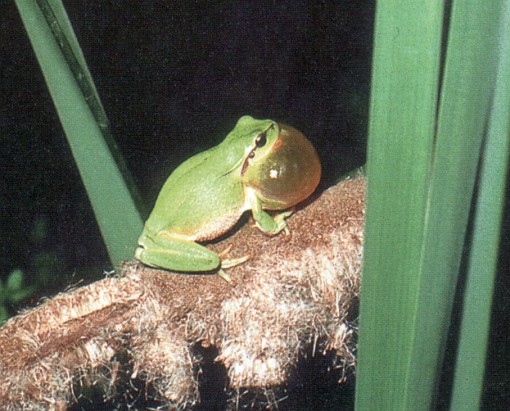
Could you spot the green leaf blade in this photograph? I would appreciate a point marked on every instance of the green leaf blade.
(465, 100)
(474, 333)
(419, 193)
(106, 181)
(401, 135)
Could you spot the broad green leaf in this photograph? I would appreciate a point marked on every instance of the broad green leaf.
(403, 106)
(420, 185)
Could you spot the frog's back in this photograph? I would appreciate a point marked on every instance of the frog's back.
(201, 199)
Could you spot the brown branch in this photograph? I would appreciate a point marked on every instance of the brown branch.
(292, 296)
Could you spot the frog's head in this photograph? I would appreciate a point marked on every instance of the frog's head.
(280, 164)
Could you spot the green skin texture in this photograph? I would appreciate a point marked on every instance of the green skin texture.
(205, 196)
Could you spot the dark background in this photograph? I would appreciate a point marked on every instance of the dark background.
(174, 76)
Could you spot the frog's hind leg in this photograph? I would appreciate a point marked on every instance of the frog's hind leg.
(177, 254)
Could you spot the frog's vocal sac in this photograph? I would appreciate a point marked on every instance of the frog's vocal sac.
(261, 165)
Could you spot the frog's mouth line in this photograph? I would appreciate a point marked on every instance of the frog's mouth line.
(247, 161)
(234, 167)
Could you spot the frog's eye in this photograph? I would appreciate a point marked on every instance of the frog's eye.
(261, 140)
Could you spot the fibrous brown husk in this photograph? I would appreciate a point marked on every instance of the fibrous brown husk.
(292, 296)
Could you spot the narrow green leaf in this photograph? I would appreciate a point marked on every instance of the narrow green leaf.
(58, 21)
(4, 314)
(67, 77)
(60, 26)
(401, 135)
(474, 334)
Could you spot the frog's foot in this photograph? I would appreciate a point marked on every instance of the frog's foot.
(271, 224)
(280, 220)
(225, 252)
(288, 234)
(224, 275)
(281, 217)
(231, 262)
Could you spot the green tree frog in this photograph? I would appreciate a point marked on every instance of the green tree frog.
(261, 165)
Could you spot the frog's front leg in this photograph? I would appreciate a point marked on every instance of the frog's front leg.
(173, 253)
(267, 223)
